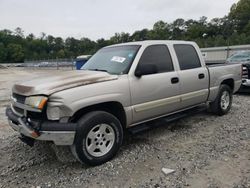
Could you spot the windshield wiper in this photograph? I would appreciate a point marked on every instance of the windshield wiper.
(98, 70)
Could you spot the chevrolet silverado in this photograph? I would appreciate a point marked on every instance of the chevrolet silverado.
(120, 87)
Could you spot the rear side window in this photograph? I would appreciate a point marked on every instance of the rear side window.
(158, 55)
(187, 56)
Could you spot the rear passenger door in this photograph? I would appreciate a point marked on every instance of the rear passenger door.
(194, 80)
(155, 94)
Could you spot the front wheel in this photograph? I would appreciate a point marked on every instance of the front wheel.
(223, 101)
(98, 138)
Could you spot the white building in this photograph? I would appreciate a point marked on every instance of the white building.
(220, 54)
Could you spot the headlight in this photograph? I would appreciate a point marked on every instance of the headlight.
(36, 101)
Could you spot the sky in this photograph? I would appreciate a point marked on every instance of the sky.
(96, 19)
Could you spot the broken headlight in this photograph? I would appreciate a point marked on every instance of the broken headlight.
(36, 101)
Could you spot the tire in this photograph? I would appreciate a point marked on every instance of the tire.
(98, 138)
(223, 101)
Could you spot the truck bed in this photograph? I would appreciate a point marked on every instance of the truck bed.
(215, 62)
(221, 72)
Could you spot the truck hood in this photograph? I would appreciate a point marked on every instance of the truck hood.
(51, 83)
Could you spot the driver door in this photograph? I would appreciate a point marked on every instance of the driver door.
(155, 94)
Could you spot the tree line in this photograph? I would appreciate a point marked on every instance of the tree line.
(232, 29)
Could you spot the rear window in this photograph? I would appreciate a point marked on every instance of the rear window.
(187, 56)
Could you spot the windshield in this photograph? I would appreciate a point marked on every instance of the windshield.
(242, 56)
(114, 60)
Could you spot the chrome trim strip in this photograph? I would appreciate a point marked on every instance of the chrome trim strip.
(157, 103)
(213, 88)
(24, 107)
(191, 95)
(14, 126)
(15, 112)
(165, 115)
(23, 127)
(58, 137)
(169, 100)
(13, 99)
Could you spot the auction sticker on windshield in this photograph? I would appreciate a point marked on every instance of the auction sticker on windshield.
(118, 59)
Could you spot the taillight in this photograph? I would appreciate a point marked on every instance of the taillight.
(244, 72)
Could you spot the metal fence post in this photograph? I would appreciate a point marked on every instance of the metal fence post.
(57, 67)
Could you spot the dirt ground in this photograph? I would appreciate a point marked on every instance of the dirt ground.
(204, 150)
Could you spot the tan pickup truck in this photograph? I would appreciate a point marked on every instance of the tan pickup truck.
(120, 87)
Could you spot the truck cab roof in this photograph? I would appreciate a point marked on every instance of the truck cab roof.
(154, 42)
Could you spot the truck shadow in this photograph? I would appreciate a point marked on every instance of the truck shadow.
(243, 94)
(159, 128)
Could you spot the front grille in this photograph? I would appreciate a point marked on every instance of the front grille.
(30, 114)
(37, 115)
(19, 98)
(18, 110)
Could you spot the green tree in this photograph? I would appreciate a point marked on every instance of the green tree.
(178, 28)
(3, 53)
(19, 32)
(119, 38)
(161, 30)
(101, 43)
(60, 54)
(140, 35)
(240, 14)
(15, 53)
(233, 29)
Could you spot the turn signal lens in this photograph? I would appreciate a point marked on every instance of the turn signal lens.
(42, 103)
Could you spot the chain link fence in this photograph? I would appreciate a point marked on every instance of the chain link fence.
(49, 64)
(44, 64)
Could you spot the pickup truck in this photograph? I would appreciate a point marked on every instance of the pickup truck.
(242, 57)
(120, 87)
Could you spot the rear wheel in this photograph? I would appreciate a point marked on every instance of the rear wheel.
(98, 138)
(223, 102)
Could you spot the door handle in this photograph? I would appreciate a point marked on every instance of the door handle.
(174, 80)
(201, 76)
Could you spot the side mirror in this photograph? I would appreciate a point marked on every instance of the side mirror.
(145, 69)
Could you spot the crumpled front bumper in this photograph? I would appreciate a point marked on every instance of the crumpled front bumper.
(245, 86)
(59, 133)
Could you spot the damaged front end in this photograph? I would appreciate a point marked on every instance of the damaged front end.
(27, 115)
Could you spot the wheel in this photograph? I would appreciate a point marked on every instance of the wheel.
(98, 138)
(223, 101)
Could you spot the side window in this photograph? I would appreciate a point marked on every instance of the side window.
(158, 55)
(187, 56)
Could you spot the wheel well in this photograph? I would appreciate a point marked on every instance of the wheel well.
(115, 108)
(229, 82)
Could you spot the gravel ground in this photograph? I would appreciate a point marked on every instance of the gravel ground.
(204, 150)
